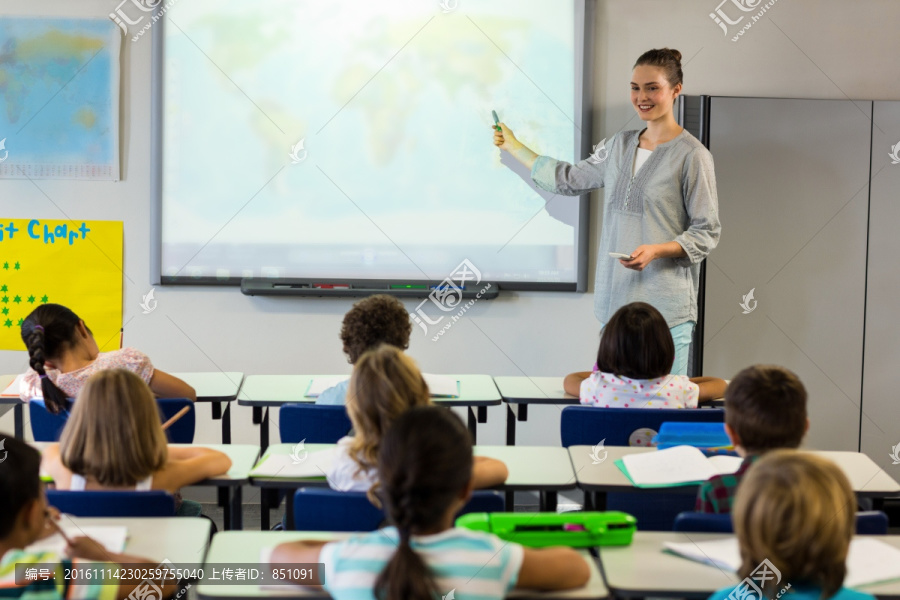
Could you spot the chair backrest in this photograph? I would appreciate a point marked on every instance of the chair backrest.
(45, 426)
(869, 522)
(588, 425)
(155, 503)
(317, 424)
(182, 430)
(703, 522)
(323, 509)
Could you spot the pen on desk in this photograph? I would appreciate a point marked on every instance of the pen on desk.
(175, 417)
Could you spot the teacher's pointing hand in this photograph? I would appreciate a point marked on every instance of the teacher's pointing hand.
(505, 139)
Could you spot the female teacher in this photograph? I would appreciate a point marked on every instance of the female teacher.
(660, 206)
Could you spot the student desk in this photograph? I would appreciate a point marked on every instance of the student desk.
(182, 540)
(519, 392)
(265, 391)
(867, 478)
(643, 569)
(243, 459)
(218, 388)
(546, 469)
(18, 406)
(233, 548)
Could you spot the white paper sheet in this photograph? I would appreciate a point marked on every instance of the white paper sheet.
(112, 537)
(301, 464)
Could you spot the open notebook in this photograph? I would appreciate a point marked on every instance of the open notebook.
(12, 390)
(869, 560)
(112, 537)
(680, 465)
(301, 463)
(439, 386)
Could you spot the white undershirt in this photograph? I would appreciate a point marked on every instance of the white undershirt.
(639, 159)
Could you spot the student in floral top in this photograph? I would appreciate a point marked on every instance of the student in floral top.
(765, 409)
(63, 355)
(634, 364)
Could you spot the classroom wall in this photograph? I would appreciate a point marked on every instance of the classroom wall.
(803, 48)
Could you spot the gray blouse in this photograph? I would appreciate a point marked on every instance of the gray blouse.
(671, 197)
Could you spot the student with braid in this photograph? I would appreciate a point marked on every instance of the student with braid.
(425, 465)
(63, 355)
(385, 384)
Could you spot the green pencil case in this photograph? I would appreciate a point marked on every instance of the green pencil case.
(538, 530)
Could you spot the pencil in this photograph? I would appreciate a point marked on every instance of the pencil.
(175, 417)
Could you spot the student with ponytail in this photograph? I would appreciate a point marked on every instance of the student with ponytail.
(425, 464)
(63, 355)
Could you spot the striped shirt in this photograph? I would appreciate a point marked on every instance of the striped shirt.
(474, 565)
(54, 589)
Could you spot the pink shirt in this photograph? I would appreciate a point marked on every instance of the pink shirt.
(71, 382)
(608, 391)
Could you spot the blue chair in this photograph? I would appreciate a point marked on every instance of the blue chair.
(703, 522)
(870, 522)
(587, 425)
(182, 430)
(317, 424)
(47, 427)
(322, 509)
(155, 503)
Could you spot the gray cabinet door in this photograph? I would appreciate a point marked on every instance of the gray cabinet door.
(881, 393)
(792, 179)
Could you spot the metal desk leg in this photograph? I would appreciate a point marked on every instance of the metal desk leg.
(237, 508)
(599, 500)
(257, 415)
(18, 417)
(473, 424)
(511, 424)
(548, 501)
(225, 501)
(264, 510)
(510, 501)
(226, 424)
(222, 496)
(289, 512)
(264, 430)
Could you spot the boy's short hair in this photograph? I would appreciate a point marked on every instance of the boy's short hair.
(20, 479)
(798, 511)
(765, 406)
(378, 319)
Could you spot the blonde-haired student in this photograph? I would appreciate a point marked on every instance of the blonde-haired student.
(426, 467)
(26, 518)
(797, 511)
(63, 355)
(386, 383)
(114, 440)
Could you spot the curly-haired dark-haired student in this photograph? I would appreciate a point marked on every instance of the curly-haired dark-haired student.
(376, 320)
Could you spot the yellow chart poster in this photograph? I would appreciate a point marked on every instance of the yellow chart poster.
(74, 263)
